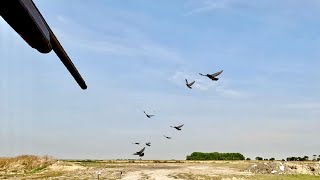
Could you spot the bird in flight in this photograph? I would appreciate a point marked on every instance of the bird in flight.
(148, 144)
(140, 153)
(189, 84)
(213, 76)
(177, 127)
(167, 137)
(148, 115)
(136, 143)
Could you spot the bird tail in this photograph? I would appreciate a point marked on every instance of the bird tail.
(215, 79)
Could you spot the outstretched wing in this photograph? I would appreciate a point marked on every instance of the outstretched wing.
(217, 73)
(186, 81)
(180, 126)
(141, 151)
(150, 115)
(192, 83)
(202, 74)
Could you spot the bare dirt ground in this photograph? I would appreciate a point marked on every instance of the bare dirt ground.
(32, 167)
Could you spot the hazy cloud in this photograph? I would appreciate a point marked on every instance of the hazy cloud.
(204, 84)
(304, 106)
(122, 44)
(202, 6)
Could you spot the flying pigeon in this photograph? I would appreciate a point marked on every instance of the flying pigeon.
(177, 127)
(167, 137)
(148, 144)
(140, 153)
(137, 143)
(213, 76)
(148, 115)
(189, 84)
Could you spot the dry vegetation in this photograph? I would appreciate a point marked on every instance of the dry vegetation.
(25, 164)
(33, 167)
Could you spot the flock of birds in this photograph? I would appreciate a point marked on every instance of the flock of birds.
(213, 77)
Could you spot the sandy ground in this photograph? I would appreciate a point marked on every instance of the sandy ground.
(155, 170)
(194, 169)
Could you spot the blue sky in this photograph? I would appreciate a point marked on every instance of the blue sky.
(135, 55)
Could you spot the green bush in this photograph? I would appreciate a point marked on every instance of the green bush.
(215, 156)
(305, 158)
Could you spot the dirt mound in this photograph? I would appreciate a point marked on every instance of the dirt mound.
(25, 163)
(65, 166)
(276, 167)
(312, 168)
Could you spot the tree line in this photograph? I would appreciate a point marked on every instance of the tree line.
(304, 158)
(215, 156)
(202, 156)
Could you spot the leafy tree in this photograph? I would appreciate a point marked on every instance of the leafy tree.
(215, 156)
(248, 159)
(259, 158)
(305, 158)
(292, 159)
(272, 159)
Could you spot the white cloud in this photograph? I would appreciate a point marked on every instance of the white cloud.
(202, 6)
(123, 43)
(277, 8)
(304, 106)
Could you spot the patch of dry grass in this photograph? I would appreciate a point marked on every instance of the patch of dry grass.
(239, 165)
(25, 164)
(190, 176)
(285, 177)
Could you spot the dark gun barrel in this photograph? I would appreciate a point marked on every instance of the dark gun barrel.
(25, 18)
(58, 49)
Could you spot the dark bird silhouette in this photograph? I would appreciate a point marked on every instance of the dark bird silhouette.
(140, 153)
(148, 115)
(213, 76)
(167, 137)
(177, 127)
(189, 84)
(137, 143)
(148, 144)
